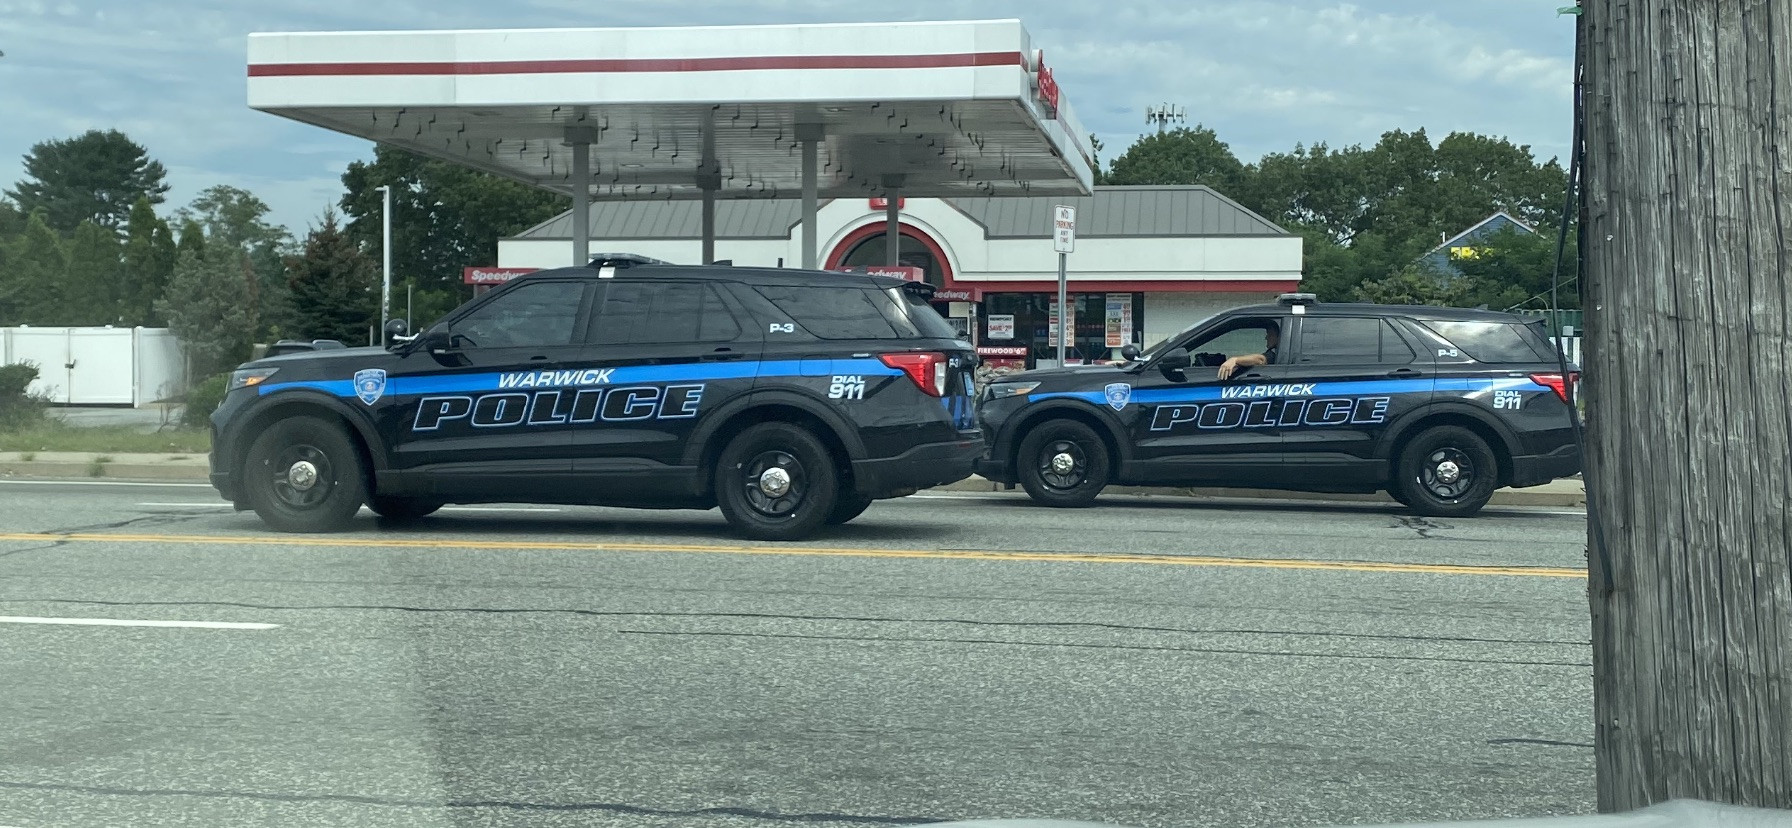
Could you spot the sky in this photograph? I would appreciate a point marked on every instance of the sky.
(1265, 74)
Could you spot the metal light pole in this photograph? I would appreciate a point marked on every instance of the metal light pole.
(386, 262)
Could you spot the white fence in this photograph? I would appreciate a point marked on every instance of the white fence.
(99, 366)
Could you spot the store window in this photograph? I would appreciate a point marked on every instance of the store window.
(1101, 324)
(912, 253)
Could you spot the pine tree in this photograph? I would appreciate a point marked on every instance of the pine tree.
(90, 292)
(149, 254)
(334, 286)
(31, 282)
(208, 308)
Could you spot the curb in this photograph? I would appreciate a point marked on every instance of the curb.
(1545, 495)
(41, 469)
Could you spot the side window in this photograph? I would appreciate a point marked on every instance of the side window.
(835, 313)
(1246, 336)
(643, 313)
(542, 313)
(1491, 342)
(1351, 341)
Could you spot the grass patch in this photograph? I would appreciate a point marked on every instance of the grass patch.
(51, 435)
(28, 456)
(98, 467)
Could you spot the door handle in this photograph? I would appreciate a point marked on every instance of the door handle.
(1405, 373)
(538, 359)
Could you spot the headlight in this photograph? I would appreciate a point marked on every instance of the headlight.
(1004, 390)
(245, 377)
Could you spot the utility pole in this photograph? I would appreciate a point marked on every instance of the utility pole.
(1163, 114)
(385, 261)
(1686, 229)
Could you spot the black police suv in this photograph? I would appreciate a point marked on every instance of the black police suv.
(789, 398)
(1437, 406)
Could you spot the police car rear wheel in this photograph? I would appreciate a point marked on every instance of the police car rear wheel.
(776, 481)
(1447, 471)
(1063, 463)
(402, 508)
(303, 475)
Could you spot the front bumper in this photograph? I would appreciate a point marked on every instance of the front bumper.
(1538, 469)
(921, 467)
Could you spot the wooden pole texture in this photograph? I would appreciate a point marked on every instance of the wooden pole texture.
(1687, 234)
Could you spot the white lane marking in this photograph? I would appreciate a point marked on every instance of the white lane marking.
(102, 483)
(193, 505)
(122, 622)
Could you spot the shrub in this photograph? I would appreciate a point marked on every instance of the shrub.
(19, 408)
(203, 399)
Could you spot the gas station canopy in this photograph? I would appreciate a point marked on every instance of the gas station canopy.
(925, 109)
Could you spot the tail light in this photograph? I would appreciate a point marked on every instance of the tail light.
(928, 370)
(1556, 383)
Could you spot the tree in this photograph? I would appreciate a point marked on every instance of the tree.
(208, 307)
(1412, 285)
(91, 289)
(12, 220)
(191, 241)
(237, 218)
(1686, 233)
(1179, 156)
(1512, 269)
(149, 256)
(31, 283)
(334, 285)
(95, 176)
(445, 217)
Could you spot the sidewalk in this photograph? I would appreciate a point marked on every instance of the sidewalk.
(1570, 492)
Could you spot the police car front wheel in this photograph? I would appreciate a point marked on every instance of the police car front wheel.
(776, 481)
(303, 474)
(1063, 463)
(402, 508)
(1447, 471)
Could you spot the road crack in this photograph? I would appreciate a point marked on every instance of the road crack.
(610, 807)
(1208, 650)
(768, 616)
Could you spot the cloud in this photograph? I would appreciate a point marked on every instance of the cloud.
(1265, 74)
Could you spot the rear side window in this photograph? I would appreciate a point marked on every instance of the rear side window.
(1351, 341)
(1491, 342)
(838, 312)
(641, 313)
(927, 321)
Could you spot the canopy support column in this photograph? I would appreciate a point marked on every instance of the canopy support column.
(579, 138)
(810, 137)
(709, 179)
(892, 220)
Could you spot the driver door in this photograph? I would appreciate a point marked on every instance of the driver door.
(474, 413)
(1196, 429)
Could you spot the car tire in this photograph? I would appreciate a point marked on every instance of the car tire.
(1063, 463)
(847, 507)
(1446, 471)
(776, 482)
(402, 508)
(303, 474)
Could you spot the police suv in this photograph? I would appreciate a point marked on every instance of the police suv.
(790, 399)
(1437, 406)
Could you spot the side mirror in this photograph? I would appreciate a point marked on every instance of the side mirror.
(437, 339)
(1130, 352)
(1175, 360)
(396, 329)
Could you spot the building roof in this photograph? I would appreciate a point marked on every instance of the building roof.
(1113, 212)
(1479, 225)
(1122, 211)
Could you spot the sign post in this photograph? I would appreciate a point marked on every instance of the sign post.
(1063, 241)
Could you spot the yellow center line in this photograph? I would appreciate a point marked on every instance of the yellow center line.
(812, 551)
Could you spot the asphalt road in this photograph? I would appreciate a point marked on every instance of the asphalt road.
(1153, 662)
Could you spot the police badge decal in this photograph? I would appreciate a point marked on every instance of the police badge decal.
(1118, 394)
(370, 384)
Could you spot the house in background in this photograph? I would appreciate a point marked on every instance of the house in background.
(1467, 244)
